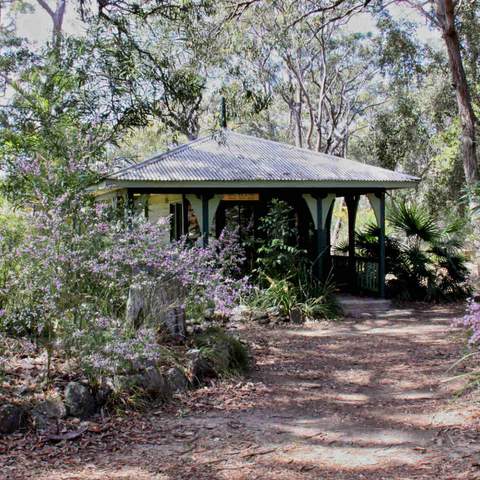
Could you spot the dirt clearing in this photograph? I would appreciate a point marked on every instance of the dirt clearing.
(359, 399)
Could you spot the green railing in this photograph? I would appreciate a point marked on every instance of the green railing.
(366, 273)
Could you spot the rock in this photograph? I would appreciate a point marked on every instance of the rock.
(177, 380)
(158, 305)
(48, 412)
(281, 319)
(200, 368)
(240, 314)
(296, 315)
(103, 393)
(154, 383)
(12, 418)
(79, 400)
(209, 314)
(150, 381)
(52, 407)
(259, 316)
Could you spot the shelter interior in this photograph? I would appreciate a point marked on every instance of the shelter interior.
(201, 215)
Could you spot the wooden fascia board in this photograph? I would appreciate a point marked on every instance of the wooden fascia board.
(239, 185)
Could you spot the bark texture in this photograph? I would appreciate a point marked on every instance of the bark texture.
(445, 12)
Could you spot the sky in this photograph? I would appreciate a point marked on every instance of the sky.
(36, 26)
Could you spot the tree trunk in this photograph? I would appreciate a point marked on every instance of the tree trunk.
(297, 118)
(464, 101)
(445, 14)
(57, 17)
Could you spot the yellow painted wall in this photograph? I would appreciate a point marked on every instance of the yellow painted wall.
(159, 205)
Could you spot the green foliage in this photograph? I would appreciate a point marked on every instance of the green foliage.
(281, 295)
(423, 260)
(12, 229)
(315, 299)
(284, 270)
(413, 222)
(278, 254)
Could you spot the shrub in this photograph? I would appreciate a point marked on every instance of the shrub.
(12, 229)
(284, 272)
(471, 321)
(278, 254)
(423, 260)
(74, 270)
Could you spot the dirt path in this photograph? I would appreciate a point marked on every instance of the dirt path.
(351, 400)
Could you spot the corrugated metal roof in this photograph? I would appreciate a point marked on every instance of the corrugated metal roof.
(231, 156)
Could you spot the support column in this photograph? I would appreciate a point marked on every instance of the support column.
(205, 225)
(321, 241)
(352, 207)
(377, 200)
(319, 206)
(328, 227)
(185, 219)
(381, 263)
(205, 207)
(130, 210)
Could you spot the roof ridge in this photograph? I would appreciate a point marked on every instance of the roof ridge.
(159, 156)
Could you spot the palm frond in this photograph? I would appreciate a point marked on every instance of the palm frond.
(412, 221)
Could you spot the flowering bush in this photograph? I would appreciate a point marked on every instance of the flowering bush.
(74, 270)
(471, 321)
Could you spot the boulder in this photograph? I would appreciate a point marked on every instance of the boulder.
(79, 400)
(240, 314)
(12, 418)
(177, 380)
(158, 304)
(47, 413)
(199, 366)
(260, 316)
(150, 381)
(103, 393)
(154, 383)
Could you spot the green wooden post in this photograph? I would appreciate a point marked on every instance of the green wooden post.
(321, 240)
(130, 210)
(205, 225)
(352, 206)
(381, 259)
(328, 227)
(185, 220)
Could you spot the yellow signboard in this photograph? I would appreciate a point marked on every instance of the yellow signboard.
(241, 197)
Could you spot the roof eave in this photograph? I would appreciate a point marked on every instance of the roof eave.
(109, 184)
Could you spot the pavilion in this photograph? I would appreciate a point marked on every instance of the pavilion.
(208, 182)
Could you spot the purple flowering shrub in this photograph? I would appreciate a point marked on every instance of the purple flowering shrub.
(471, 321)
(73, 271)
